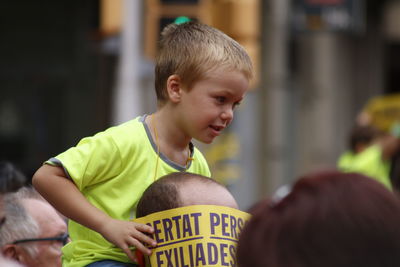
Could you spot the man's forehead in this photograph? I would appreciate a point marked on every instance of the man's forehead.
(205, 193)
(39, 209)
(195, 185)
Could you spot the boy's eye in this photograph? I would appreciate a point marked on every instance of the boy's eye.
(220, 99)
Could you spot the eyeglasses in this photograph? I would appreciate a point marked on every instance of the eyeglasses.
(61, 238)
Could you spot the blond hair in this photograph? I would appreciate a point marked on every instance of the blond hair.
(191, 50)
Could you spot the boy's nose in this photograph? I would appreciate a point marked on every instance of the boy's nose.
(227, 115)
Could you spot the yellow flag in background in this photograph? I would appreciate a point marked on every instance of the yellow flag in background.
(384, 111)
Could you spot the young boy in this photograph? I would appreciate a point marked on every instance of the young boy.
(201, 76)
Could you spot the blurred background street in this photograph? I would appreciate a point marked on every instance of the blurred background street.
(69, 69)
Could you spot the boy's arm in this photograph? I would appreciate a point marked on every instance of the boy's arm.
(52, 183)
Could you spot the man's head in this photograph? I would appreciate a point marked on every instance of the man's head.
(28, 222)
(328, 219)
(11, 179)
(183, 189)
(192, 51)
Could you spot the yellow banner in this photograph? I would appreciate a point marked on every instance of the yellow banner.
(384, 111)
(200, 235)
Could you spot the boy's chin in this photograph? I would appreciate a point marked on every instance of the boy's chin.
(206, 141)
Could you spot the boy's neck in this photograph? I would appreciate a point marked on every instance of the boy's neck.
(169, 138)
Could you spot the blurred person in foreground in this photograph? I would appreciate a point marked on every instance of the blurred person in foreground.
(327, 219)
(33, 233)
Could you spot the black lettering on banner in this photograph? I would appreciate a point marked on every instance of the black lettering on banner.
(224, 224)
(176, 220)
(191, 255)
(182, 256)
(214, 221)
(233, 227)
(169, 257)
(212, 254)
(232, 252)
(167, 224)
(157, 231)
(180, 243)
(176, 257)
(196, 222)
(229, 225)
(200, 255)
(240, 224)
(187, 229)
(223, 254)
(177, 227)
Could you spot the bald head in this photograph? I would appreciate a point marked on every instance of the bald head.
(182, 189)
(198, 192)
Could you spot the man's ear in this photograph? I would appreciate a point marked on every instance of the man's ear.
(9, 251)
(174, 88)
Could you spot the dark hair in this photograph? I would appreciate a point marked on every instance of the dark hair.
(11, 179)
(158, 197)
(163, 194)
(329, 219)
(361, 135)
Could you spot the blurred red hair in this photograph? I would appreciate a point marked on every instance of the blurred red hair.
(329, 219)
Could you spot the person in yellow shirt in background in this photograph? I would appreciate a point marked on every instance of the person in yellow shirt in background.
(370, 153)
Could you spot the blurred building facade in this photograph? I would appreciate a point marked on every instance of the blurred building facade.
(59, 63)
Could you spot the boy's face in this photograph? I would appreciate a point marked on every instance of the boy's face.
(207, 107)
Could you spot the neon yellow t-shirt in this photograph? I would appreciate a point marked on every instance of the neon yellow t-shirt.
(368, 162)
(112, 169)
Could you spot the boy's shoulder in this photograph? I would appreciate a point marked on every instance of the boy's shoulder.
(128, 126)
(124, 133)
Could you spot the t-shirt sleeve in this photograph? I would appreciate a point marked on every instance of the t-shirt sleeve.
(94, 160)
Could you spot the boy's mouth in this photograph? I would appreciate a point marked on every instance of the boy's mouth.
(217, 128)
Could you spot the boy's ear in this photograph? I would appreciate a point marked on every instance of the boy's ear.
(174, 88)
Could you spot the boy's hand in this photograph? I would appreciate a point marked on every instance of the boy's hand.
(125, 234)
